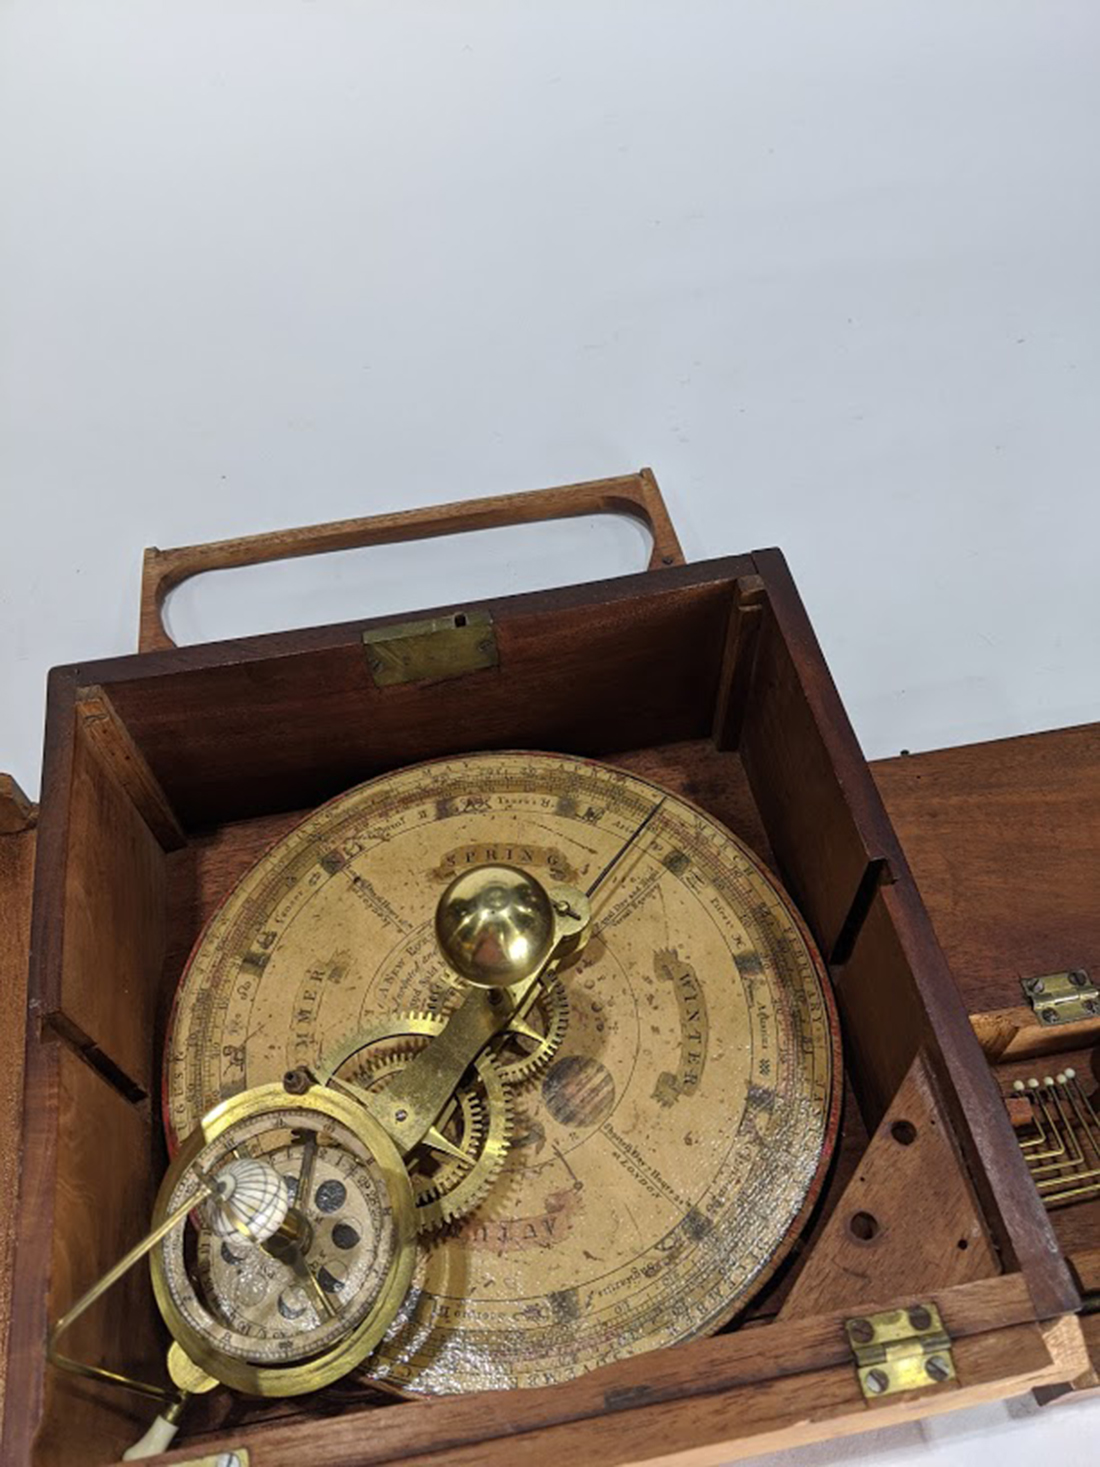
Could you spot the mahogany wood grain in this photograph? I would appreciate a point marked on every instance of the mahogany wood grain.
(16, 811)
(1018, 1034)
(86, 1195)
(816, 835)
(125, 763)
(822, 847)
(1087, 1267)
(739, 661)
(761, 1385)
(16, 874)
(1004, 841)
(113, 921)
(636, 495)
(885, 1025)
(290, 719)
(891, 1231)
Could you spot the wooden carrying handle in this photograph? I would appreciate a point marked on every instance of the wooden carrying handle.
(636, 495)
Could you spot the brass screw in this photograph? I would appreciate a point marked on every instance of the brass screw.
(1037, 986)
(861, 1331)
(877, 1381)
(936, 1368)
(919, 1317)
(1048, 1016)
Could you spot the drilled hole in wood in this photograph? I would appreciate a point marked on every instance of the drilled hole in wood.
(962, 1243)
(904, 1132)
(863, 1226)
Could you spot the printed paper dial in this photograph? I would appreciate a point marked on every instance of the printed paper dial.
(667, 1144)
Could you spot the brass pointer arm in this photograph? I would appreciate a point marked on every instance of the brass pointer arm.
(97, 1372)
(410, 1107)
(621, 852)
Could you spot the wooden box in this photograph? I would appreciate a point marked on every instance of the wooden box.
(167, 772)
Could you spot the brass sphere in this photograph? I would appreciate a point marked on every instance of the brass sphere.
(495, 925)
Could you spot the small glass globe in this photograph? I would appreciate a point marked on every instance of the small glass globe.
(252, 1201)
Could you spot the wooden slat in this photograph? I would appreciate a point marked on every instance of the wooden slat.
(654, 1412)
(885, 1025)
(1017, 1034)
(739, 661)
(88, 1164)
(16, 810)
(113, 912)
(126, 764)
(16, 875)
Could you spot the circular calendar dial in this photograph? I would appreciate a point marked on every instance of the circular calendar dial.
(665, 1151)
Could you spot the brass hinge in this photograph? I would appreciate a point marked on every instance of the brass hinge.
(1062, 998)
(900, 1350)
(431, 649)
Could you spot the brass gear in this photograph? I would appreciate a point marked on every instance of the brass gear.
(467, 1113)
(523, 1050)
(452, 1192)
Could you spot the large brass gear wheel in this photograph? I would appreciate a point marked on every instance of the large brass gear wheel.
(482, 1110)
(464, 1123)
(526, 1047)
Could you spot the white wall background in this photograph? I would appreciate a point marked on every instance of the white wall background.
(831, 267)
